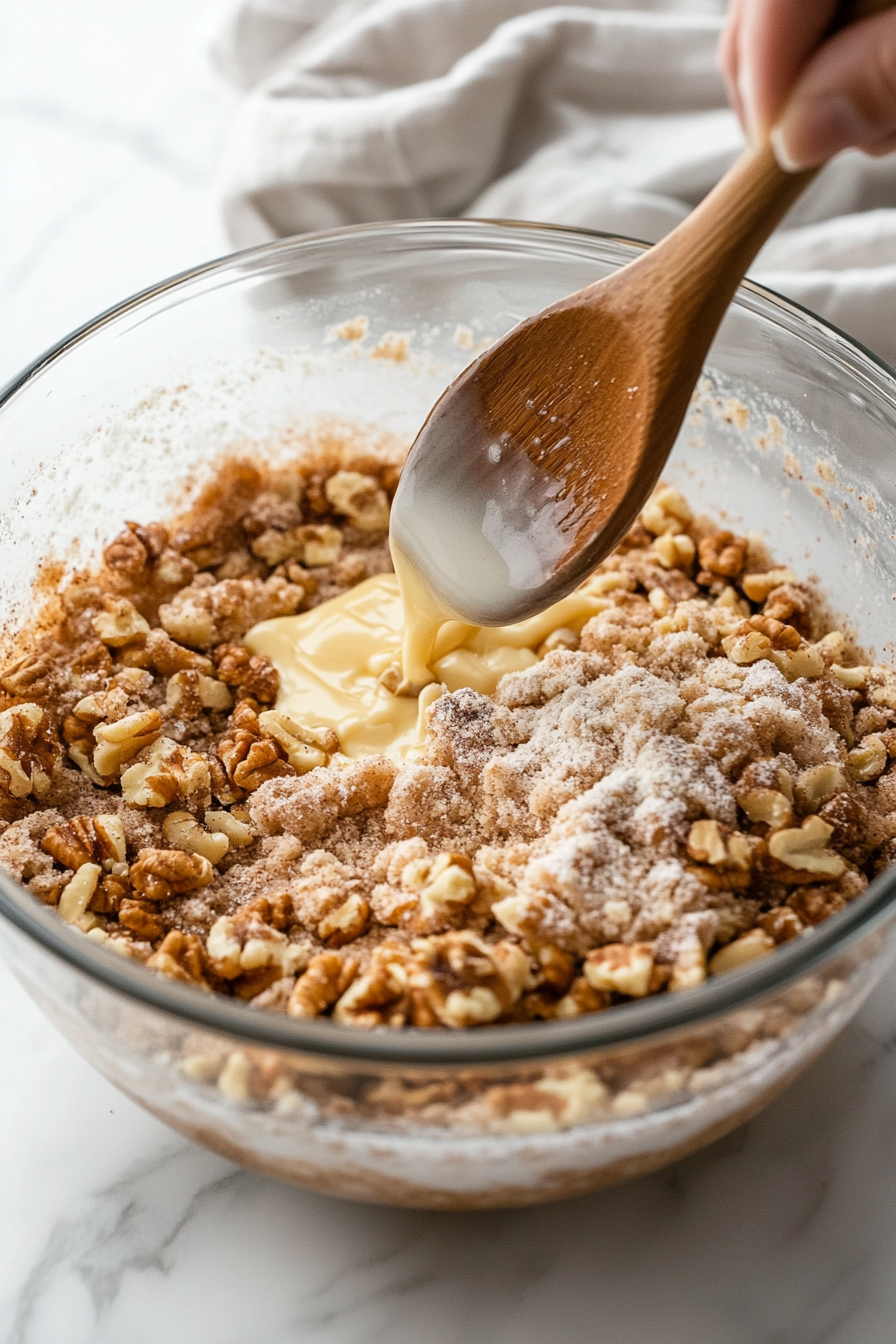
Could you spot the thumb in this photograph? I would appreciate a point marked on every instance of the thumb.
(845, 97)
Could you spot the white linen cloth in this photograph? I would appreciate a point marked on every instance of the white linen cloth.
(608, 113)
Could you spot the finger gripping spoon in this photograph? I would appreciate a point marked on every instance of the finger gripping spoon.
(535, 462)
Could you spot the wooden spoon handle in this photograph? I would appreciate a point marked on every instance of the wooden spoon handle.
(730, 224)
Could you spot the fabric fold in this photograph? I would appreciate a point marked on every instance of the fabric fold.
(610, 116)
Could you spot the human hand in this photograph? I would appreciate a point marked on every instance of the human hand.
(810, 94)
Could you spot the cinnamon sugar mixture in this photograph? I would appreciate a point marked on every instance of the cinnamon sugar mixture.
(700, 774)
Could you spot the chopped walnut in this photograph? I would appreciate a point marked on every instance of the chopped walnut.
(141, 918)
(97, 840)
(707, 844)
(119, 741)
(120, 623)
(190, 693)
(622, 968)
(181, 956)
(853, 678)
(729, 605)
(723, 553)
(126, 555)
(159, 874)
(788, 602)
(238, 832)
(113, 889)
(80, 744)
(666, 512)
(321, 545)
(756, 943)
(689, 965)
(346, 923)
(444, 886)
(813, 904)
(252, 674)
(110, 704)
(224, 947)
(274, 546)
(781, 924)
(757, 587)
(856, 834)
(553, 973)
(660, 601)
(805, 661)
(380, 995)
(31, 674)
(273, 511)
(135, 548)
(868, 759)
(326, 979)
(28, 751)
(77, 895)
(174, 570)
(360, 498)
(305, 748)
(757, 637)
(804, 849)
(675, 550)
(528, 916)
(814, 786)
(204, 615)
(747, 646)
(182, 831)
(248, 757)
(169, 658)
(460, 981)
(767, 806)
(251, 947)
(723, 860)
(580, 998)
(762, 637)
(164, 773)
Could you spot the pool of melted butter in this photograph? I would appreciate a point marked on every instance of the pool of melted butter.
(332, 659)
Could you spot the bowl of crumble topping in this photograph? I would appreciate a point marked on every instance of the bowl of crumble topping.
(590, 899)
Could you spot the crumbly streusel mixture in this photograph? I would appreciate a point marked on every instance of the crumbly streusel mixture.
(702, 774)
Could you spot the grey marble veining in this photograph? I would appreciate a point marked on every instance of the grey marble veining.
(113, 1230)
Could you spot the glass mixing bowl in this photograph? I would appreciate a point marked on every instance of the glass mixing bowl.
(792, 432)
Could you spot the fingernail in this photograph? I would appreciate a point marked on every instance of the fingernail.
(812, 131)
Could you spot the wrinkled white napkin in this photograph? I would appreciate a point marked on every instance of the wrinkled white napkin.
(609, 114)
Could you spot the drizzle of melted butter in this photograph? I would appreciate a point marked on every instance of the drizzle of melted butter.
(331, 660)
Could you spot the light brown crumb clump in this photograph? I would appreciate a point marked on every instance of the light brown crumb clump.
(695, 779)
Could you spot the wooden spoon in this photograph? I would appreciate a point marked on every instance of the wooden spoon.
(535, 462)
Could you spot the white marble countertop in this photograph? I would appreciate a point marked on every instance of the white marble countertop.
(113, 1230)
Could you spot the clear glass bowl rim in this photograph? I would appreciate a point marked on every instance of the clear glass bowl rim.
(627, 1024)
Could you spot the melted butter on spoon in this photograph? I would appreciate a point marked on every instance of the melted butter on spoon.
(332, 659)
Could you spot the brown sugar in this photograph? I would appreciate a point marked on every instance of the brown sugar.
(695, 778)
